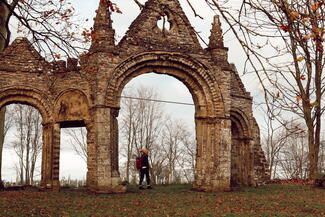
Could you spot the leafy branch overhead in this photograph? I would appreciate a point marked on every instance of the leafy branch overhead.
(51, 26)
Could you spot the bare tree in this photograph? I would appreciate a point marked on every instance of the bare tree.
(179, 150)
(140, 124)
(171, 146)
(188, 159)
(127, 132)
(78, 140)
(293, 157)
(273, 141)
(283, 44)
(28, 142)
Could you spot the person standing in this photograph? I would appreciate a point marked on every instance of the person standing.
(144, 170)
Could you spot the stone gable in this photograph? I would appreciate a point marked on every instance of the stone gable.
(145, 33)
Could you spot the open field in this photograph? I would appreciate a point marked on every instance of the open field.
(177, 200)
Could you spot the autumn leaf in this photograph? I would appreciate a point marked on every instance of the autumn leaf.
(58, 56)
(294, 15)
(118, 10)
(307, 36)
(298, 98)
(314, 7)
(299, 59)
(93, 36)
(314, 104)
(284, 28)
(303, 77)
(316, 30)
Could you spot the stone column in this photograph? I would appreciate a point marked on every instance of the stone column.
(50, 156)
(91, 155)
(213, 154)
(106, 177)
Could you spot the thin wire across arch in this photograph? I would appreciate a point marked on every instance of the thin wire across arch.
(157, 100)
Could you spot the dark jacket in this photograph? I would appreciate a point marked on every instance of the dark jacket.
(144, 161)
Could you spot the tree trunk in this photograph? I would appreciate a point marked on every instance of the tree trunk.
(4, 37)
(313, 158)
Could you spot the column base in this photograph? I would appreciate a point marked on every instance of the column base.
(55, 186)
(213, 186)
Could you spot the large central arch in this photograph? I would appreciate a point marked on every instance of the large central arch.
(206, 94)
(212, 127)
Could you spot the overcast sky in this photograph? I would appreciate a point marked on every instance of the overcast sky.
(168, 87)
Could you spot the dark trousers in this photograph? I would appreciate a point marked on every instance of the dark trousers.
(144, 172)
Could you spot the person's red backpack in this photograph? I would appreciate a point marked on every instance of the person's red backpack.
(138, 163)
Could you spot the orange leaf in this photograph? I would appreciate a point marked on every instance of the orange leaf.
(314, 7)
(118, 10)
(299, 59)
(58, 56)
(93, 36)
(316, 30)
(294, 15)
(298, 98)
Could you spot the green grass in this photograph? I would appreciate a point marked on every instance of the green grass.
(176, 200)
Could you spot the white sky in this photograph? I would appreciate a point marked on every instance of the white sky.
(168, 87)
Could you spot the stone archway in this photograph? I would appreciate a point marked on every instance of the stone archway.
(212, 127)
(241, 149)
(35, 98)
(28, 96)
(71, 109)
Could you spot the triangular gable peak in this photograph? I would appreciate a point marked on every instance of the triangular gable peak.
(22, 56)
(174, 34)
(237, 86)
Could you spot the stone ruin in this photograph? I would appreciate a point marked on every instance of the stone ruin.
(86, 92)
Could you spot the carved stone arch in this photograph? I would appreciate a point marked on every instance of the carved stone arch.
(212, 127)
(241, 149)
(29, 96)
(71, 108)
(194, 75)
(240, 120)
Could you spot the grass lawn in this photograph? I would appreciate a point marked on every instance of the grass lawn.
(176, 200)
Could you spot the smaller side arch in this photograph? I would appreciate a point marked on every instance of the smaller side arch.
(27, 96)
(241, 122)
(241, 149)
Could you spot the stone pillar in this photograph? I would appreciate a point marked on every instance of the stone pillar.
(213, 154)
(50, 156)
(106, 177)
(91, 155)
